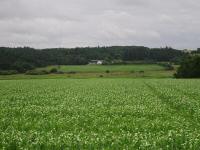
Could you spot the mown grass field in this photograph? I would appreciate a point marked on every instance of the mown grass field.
(104, 68)
(146, 74)
(99, 71)
(100, 114)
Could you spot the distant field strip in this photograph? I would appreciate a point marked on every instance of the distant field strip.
(100, 114)
(112, 68)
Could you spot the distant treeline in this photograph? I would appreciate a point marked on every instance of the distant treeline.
(23, 59)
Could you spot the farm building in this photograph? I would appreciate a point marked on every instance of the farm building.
(96, 62)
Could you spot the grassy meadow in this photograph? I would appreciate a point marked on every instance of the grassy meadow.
(99, 71)
(146, 74)
(100, 113)
(104, 68)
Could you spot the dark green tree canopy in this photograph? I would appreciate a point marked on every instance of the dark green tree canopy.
(23, 59)
(189, 68)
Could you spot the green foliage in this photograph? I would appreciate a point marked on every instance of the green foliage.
(22, 66)
(107, 71)
(100, 114)
(167, 66)
(102, 68)
(53, 70)
(37, 72)
(101, 76)
(189, 68)
(23, 59)
(8, 72)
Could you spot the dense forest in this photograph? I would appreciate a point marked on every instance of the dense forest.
(23, 59)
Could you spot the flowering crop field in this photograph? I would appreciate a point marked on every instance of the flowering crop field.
(100, 114)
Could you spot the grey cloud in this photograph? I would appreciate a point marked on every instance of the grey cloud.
(71, 23)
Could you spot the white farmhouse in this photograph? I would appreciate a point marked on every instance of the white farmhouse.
(96, 62)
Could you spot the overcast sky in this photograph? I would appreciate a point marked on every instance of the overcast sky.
(73, 23)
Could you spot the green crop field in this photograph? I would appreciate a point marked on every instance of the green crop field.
(111, 68)
(100, 114)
